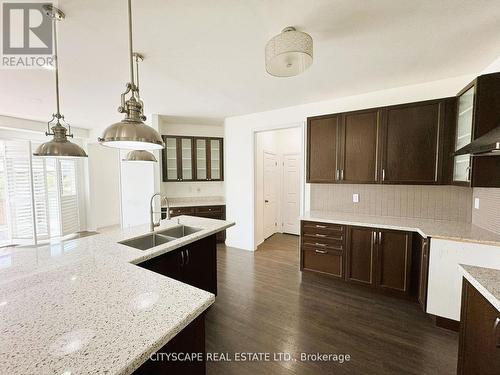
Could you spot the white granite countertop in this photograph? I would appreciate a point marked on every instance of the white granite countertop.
(451, 230)
(82, 306)
(195, 201)
(485, 280)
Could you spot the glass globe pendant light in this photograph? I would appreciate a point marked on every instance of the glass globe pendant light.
(289, 53)
(59, 146)
(131, 133)
(139, 155)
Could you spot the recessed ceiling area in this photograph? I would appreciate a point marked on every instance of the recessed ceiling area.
(205, 59)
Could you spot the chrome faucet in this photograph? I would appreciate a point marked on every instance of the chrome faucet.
(152, 224)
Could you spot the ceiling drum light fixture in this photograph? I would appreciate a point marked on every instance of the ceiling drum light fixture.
(131, 133)
(59, 146)
(289, 53)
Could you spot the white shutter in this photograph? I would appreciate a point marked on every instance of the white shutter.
(40, 198)
(69, 197)
(17, 163)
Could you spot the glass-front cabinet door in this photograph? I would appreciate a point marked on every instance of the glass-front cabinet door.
(186, 159)
(462, 163)
(215, 159)
(201, 159)
(170, 159)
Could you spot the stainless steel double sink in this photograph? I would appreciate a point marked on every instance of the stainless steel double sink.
(151, 240)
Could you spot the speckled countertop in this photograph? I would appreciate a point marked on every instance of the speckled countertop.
(82, 306)
(196, 202)
(485, 280)
(451, 230)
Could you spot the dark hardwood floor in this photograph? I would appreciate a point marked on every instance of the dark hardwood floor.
(265, 304)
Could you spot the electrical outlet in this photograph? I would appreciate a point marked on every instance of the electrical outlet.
(476, 203)
(355, 198)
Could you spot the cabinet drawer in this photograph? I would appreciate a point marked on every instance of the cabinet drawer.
(316, 227)
(322, 260)
(176, 211)
(321, 243)
(332, 237)
(209, 210)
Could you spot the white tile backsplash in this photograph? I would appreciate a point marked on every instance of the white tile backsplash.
(432, 202)
(488, 214)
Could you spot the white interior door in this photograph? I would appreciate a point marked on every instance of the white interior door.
(291, 193)
(271, 188)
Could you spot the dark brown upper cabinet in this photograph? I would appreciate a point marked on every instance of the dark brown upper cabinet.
(478, 112)
(192, 159)
(322, 149)
(401, 144)
(359, 133)
(412, 143)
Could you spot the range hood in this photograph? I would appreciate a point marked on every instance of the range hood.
(488, 144)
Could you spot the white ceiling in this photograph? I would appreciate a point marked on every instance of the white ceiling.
(204, 59)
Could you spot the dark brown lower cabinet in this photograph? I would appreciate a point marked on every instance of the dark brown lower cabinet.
(194, 264)
(360, 257)
(191, 340)
(322, 248)
(393, 261)
(479, 342)
(378, 258)
(211, 212)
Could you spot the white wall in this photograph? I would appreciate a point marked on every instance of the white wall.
(137, 182)
(104, 186)
(279, 142)
(191, 189)
(239, 143)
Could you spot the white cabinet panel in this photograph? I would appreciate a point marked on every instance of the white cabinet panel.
(445, 280)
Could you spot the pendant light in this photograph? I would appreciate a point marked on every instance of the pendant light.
(59, 146)
(131, 133)
(139, 155)
(289, 53)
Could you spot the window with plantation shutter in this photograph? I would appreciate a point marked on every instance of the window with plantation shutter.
(69, 197)
(18, 187)
(38, 196)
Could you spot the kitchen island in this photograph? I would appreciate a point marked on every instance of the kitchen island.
(83, 306)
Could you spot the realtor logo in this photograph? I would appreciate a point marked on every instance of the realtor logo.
(26, 36)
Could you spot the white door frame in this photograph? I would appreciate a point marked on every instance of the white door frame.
(304, 188)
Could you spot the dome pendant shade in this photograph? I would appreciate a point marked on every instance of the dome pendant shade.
(59, 146)
(131, 135)
(140, 155)
(289, 53)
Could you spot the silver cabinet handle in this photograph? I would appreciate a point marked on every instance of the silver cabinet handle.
(383, 174)
(321, 226)
(187, 256)
(182, 258)
(337, 175)
(321, 251)
(320, 235)
(374, 237)
(496, 330)
(320, 244)
(379, 238)
(342, 174)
